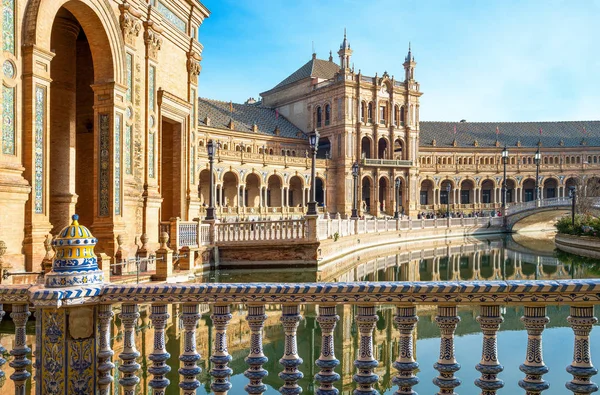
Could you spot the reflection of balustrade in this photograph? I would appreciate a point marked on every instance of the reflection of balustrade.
(84, 304)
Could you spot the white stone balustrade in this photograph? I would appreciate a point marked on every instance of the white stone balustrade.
(84, 304)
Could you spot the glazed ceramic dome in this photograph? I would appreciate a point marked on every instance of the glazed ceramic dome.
(75, 262)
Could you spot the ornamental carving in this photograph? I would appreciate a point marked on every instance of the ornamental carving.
(130, 23)
(193, 65)
(152, 38)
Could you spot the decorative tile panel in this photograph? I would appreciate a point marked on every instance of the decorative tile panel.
(8, 122)
(151, 154)
(117, 166)
(8, 69)
(53, 351)
(151, 87)
(104, 171)
(40, 129)
(129, 61)
(171, 17)
(81, 366)
(8, 26)
(128, 149)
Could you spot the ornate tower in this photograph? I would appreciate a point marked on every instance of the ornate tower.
(409, 66)
(345, 52)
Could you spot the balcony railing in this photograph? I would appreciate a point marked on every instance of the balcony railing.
(73, 348)
(386, 162)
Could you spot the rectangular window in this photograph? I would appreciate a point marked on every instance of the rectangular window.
(8, 122)
(382, 114)
(424, 200)
(464, 197)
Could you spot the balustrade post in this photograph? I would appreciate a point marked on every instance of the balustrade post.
(290, 319)
(327, 361)
(406, 319)
(535, 321)
(489, 319)
(105, 353)
(20, 314)
(189, 369)
(366, 363)
(159, 355)
(581, 320)
(255, 373)
(221, 371)
(447, 320)
(129, 366)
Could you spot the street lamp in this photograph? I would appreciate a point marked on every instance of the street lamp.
(448, 189)
(504, 162)
(313, 139)
(573, 202)
(210, 211)
(354, 191)
(398, 185)
(537, 159)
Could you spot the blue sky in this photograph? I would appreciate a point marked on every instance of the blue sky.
(480, 60)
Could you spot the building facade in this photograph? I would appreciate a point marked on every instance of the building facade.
(101, 117)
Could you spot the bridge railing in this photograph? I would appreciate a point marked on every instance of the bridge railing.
(87, 315)
(515, 208)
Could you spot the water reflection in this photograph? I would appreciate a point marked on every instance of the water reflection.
(469, 259)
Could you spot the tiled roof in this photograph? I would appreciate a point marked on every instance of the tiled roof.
(244, 116)
(314, 68)
(554, 134)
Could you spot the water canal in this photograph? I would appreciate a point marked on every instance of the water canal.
(491, 258)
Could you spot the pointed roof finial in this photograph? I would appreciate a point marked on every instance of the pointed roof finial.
(330, 56)
(409, 56)
(345, 44)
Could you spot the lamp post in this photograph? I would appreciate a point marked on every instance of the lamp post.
(210, 211)
(398, 185)
(504, 162)
(448, 189)
(537, 160)
(573, 202)
(313, 139)
(355, 191)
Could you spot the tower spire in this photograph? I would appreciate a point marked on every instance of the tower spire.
(345, 52)
(409, 64)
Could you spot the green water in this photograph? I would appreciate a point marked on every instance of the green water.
(499, 259)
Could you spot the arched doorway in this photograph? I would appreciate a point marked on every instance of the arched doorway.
(487, 192)
(383, 195)
(446, 193)
(274, 191)
(398, 149)
(510, 190)
(550, 188)
(382, 149)
(528, 190)
(467, 192)
(72, 131)
(366, 195)
(230, 190)
(295, 192)
(324, 149)
(571, 182)
(252, 195)
(320, 192)
(426, 193)
(365, 148)
(204, 188)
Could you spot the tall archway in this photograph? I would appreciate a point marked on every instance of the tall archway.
(528, 190)
(252, 194)
(230, 190)
(365, 147)
(510, 190)
(382, 148)
(398, 149)
(467, 192)
(487, 192)
(274, 191)
(204, 188)
(324, 149)
(320, 192)
(295, 192)
(366, 194)
(426, 193)
(383, 195)
(550, 188)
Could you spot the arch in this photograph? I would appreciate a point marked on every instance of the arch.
(204, 187)
(467, 191)
(426, 192)
(445, 197)
(274, 191)
(382, 147)
(550, 188)
(253, 186)
(487, 191)
(95, 17)
(295, 192)
(366, 184)
(528, 189)
(230, 189)
(511, 185)
(398, 149)
(365, 147)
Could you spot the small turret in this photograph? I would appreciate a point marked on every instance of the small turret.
(345, 53)
(409, 65)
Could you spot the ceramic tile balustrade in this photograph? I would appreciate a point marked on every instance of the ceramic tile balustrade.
(50, 305)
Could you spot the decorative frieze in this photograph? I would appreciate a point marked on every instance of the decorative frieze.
(130, 23)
